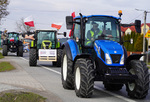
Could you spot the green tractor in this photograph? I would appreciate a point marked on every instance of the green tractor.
(12, 44)
(45, 47)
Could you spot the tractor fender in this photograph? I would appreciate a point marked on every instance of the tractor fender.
(133, 57)
(33, 44)
(72, 49)
(5, 42)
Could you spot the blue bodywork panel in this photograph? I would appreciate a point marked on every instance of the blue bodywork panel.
(73, 47)
(109, 47)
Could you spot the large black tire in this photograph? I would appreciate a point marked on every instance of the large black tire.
(84, 78)
(59, 55)
(20, 51)
(66, 71)
(112, 87)
(139, 88)
(5, 51)
(32, 57)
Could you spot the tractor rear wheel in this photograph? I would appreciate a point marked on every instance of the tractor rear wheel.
(5, 51)
(20, 51)
(59, 54)
(66, 71)
(84, 78)
(139, 88)
(32, 57)
(112, 87)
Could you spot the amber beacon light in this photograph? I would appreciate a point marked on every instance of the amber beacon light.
(120, 13)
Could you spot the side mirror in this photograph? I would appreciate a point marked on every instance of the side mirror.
(138, 26)
(65, 34)
(69, 22)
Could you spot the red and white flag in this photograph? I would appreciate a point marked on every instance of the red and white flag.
(71, 31)
(56, 25)
(29, 21)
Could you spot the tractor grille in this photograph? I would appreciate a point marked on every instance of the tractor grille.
(115, 58)
(47, 44)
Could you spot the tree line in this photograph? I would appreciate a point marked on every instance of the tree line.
(137, 45)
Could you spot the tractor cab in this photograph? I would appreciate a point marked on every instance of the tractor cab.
(46, 39)
(13, 37)
(98, 27)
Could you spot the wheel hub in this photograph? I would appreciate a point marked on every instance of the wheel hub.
(65, 67)
(131, 85)
(77, 78)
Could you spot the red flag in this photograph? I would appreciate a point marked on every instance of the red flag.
(29, 21)
(73, 14)
(56, 25)
(71, 31)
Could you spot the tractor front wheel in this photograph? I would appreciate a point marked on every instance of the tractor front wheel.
(5, 51)
(84, 78)
(139, 88)
(20, 51)
(32, 57)
(66, 71)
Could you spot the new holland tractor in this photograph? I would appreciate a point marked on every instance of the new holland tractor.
(45, 47)
(96, 53)
(11, 43)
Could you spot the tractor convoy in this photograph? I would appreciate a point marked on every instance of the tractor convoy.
(94, 52)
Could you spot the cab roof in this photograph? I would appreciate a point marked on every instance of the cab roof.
(97, 16)
(13, 33)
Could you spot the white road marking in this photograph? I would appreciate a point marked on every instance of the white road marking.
(96, 87)
(44, 67)
(113, 94)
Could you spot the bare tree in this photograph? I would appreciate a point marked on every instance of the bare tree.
(3, 8)
(21, 27)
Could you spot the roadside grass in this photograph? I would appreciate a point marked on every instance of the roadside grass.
(1, 56)
(0, 48)
(21, 97)
(6, 66)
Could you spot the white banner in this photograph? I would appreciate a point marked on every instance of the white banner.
(47, 52)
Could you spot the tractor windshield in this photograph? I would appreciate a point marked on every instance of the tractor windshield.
(45, 36)
(97, 28)
(13, 35)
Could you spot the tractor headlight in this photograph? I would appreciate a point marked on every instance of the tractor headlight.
(108, 59)
(122, 60)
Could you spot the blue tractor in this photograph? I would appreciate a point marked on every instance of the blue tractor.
(97, 54)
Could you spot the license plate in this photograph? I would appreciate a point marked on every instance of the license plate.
(47, 52)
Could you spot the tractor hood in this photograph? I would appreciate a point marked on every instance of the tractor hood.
(108, 46)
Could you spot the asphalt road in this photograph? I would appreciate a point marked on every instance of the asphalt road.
(50, 78)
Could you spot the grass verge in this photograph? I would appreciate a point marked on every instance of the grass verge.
(1, 56)
(6, 66)
(21, 97)
(0, 48)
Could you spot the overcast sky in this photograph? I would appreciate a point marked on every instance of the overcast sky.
(46, 12)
